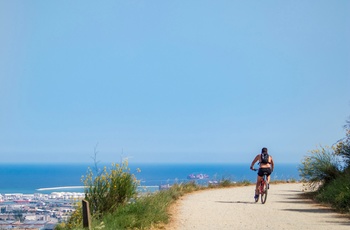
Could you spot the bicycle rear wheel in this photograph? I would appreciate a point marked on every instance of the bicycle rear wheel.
(264, 192)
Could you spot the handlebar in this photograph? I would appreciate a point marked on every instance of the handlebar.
(254, 169)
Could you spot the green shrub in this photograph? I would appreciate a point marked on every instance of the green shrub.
(321, 165)
(110, 189)
(330, 168)
(245, 183)
(188, 187)
(148, 210)
(106, 192)
(336, 193)
(225, 183)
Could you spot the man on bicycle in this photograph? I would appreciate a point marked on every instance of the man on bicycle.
(266, 168)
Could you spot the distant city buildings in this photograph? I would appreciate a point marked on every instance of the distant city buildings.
(36, 211)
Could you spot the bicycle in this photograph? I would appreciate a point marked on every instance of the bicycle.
(262, 188)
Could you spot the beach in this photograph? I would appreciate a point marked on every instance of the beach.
(235, 208)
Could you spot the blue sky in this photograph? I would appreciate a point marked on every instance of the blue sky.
(172, 81)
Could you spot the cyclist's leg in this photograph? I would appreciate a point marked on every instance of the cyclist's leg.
(256, 192)
(258, 181)
(268, 179)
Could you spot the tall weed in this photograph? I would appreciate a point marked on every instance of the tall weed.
(109, 189)
(330, 168)
(321, 165)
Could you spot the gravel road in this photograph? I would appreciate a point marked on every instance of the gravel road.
(234, 208)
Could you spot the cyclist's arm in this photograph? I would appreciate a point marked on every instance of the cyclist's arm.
(254, 161)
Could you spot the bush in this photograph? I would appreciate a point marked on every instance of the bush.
(110, 189)
(331, 167)
(321, 165)
(337, 193)
(106, 192)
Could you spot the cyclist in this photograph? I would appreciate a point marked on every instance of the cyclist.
(266, 167)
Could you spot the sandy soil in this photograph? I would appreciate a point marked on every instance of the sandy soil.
(234, 208)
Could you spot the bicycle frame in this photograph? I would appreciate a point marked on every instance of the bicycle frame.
(262, 189)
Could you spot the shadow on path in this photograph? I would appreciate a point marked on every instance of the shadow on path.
(306, 198)
(294, 201)
(339, 222)
(311, 210)
(323, 211)
(235, 202)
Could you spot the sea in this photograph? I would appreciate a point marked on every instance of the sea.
(48, 178)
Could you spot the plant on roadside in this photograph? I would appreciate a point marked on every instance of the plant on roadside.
(145, 212)
(321, 165)
(106, 192)
(225, 182)
(245, 183)
(110, 189)
(336, 193)
(329, 169)
(148, 210)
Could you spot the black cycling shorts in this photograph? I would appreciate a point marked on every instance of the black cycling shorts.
(264, 171)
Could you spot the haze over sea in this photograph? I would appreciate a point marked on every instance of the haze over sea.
(28, 178)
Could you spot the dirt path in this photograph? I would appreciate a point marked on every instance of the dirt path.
(234, 208)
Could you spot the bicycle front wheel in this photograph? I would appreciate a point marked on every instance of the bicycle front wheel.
(264, 193)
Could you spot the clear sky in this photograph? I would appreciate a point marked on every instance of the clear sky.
(172, 81)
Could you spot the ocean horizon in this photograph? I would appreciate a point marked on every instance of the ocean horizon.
(48, 178)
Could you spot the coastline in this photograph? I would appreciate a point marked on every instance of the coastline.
(60, 188)
(28, 178)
